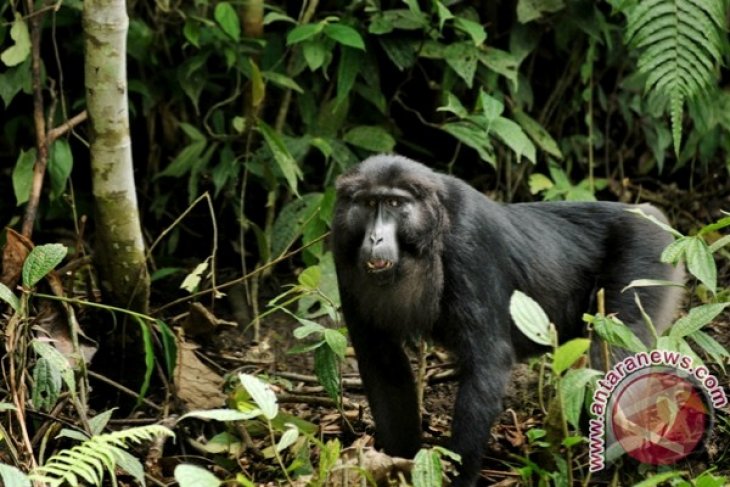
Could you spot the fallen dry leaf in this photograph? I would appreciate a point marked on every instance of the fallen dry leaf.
(196, 383)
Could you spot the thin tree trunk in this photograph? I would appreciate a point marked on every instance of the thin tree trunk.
(121, 254)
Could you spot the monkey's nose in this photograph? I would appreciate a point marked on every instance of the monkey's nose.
(375, 239)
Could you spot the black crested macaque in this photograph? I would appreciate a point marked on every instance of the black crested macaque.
(420, 253)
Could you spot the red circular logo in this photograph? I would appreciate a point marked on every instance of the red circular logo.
(659, 417)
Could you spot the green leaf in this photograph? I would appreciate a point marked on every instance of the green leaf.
(40, 261)
(193, 476)
(530, 318)
(288, 438)
(261, 394)
(308, 327)
(60, 166)
(12, 477)
(315, 53)
(713, 227)
(99, 422)
(660, 478)
(719, 243)
(291, 220)
(572, 392)
(345, 35)
(675, 251)
(514, 137)
(227, 18)
(222, 414)
(7, 295)
(46, 385)
(618, 334)
(529, 10)
(56, 360)
(426, 469)
(169, 347)
(473, 137)
(491, 107)
(567, 353)
(310, 277)
(336, 341)
(712, 347)
(127, 462)
(501, 62)
(282, 81)
(303, 32)
(638, 211)
(462, 57)
(287, 165)
(347, 71)
(18, 52)
(697, 317)
(185, 161)
(371, 137)
(701, 264)
(149, 358)
(537, 133)
(539, 182)
(474, 29)
(23, 175)
(651, 283)
(443, 13)
(13, 80)
(453, 105)
(327, 369)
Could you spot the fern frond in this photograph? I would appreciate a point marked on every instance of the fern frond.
(87, 462)
(679, 44)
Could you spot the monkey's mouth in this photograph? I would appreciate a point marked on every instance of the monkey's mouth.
(378, 265)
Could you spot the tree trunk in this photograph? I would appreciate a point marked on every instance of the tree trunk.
(120, 253)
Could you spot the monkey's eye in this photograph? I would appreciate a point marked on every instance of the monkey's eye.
(394, 203)
(371, 203)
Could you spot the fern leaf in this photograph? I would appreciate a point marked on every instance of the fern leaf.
(94, 457)
(679, 44)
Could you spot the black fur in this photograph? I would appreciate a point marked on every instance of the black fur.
(421, 253)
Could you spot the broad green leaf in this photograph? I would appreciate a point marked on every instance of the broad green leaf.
(719, 243)
(291, 220)
(336, 341)
(660, 478)
(618, 334)
(427, 469)
(287, 165)
(99, 422)
(530, 318)
(328, 372)
(46, 385)
(129, 463)
(56, 360)
(345, 35)
(712, 347)
(315, 53)
(529, 10)
(185, 161)
(537, 133)
(473, 29)
(60, 166)
(347, 71)
(401, 51)
(514, 137)
(701, 264)
(222, 414)
(567, 353)
(371, 137)
(261, 393)
(7, 295)
(697, 317)
(443, 13)
(40, 261)
(23, 175)
(194, 476)
(310, 277)
(453, 105)
(491, 106)
(20, 50)
(308, 327)
(473, 137)
(288, 438)
(462, 57)
(501, 62)
(272, 17)
(282, 81)
(539, 182)
(13, 80)
(572, 392)
(303, 32)
(12, 477)
(675, 251)
(227, 18)
(713, 227)
(192, 280)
